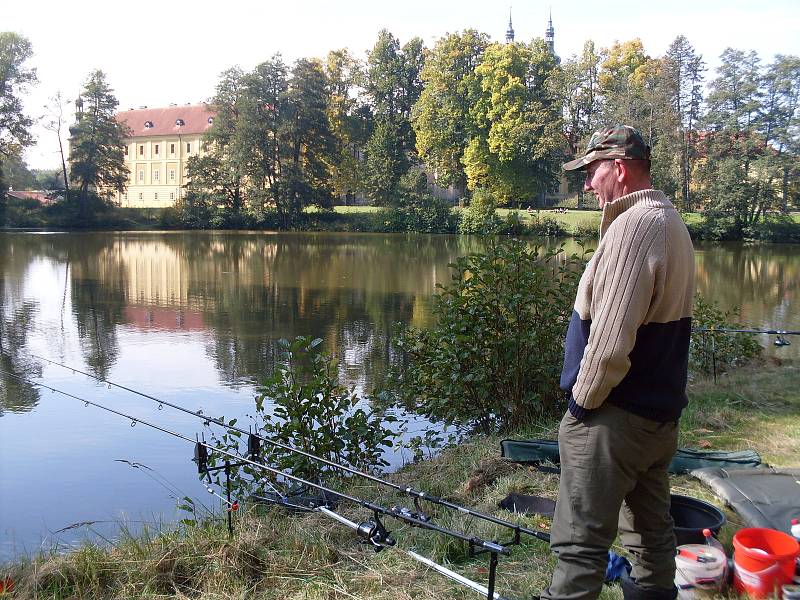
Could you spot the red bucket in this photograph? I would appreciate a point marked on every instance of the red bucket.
(763, 560)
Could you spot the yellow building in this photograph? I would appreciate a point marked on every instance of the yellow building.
(162, 139)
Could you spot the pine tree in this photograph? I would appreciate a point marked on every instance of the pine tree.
(97, 160)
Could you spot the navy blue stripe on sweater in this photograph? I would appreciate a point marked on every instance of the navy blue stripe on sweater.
(655, 385)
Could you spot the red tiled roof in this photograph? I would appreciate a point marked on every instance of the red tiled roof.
(30, 195)
(195, 118)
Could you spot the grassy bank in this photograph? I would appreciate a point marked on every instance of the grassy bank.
(276, 556)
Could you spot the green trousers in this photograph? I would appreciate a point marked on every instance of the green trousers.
(613, 479)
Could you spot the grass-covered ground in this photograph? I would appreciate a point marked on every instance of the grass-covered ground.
(276, 556)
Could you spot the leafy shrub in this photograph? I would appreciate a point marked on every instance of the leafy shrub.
(586, 229)
(546, 226)
(303, 405)
(718, 351)
(480, 217)
(494, 356)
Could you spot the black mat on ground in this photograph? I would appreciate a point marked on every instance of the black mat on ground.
(685, 460)
(529, 505)
(764, 497)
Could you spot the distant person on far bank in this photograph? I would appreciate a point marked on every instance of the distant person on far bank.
(625, 366)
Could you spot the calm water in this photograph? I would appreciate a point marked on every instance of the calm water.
(193, 318)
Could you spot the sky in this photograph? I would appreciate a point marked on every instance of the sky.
(159, 52)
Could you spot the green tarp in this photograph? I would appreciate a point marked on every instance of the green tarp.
(685, 460)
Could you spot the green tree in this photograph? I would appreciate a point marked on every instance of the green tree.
(519, 146)
(215, 187)
(581, 97)
(392, 86)
(684, 70)
(739, 181)
(621, 98)
(779, 123)
(17, 175)
(309, 143)
(385, 164)
(349, 121)
(15, 79)
(441, 117)
(97, 142)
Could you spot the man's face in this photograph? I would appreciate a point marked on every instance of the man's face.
(601, 179)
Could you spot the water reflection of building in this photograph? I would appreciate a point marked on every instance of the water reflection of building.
(153, 273)
(163, 318)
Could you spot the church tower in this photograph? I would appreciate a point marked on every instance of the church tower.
(510, 30)
(549, 35)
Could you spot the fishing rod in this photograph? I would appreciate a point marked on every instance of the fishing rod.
(417, 495)
(779, 334)
(372, 531)
(487, 592)
(728, 330)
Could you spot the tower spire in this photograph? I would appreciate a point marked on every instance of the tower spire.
(510, 30)
(550, 34)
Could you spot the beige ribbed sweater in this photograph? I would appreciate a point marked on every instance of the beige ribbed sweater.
(642, 273)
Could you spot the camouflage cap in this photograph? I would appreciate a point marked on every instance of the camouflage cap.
(620, 141)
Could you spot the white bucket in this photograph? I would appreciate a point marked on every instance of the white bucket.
(706, 574)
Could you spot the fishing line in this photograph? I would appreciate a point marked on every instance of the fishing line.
(417, 495)
(395, 512)
(372, 531)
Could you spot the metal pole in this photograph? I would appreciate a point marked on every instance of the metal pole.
(492, 574)
(228, 489)
(714, 357)
(473, 585)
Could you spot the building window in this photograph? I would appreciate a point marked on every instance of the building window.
(188, 148)
(172, 149)
(155, 196)
(125, 196)
(148, 124)
(179, 122)
(155, 175)
(172, 195)
(126, 150)
(140, 195)
(156, 150)
(141, 175)
(172, 174)
(141, 150)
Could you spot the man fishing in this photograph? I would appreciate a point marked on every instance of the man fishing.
(625, 365)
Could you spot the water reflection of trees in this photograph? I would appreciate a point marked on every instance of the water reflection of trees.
(16, 319)
(762, 280)
(249, 290)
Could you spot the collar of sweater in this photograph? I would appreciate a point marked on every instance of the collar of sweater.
(646, 198)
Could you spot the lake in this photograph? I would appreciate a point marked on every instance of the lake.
(193, 319)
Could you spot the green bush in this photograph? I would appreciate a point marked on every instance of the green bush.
(546, 226)
(303, 405)
(480, 217)
(710, 350)
(493, 358)
(586, 229)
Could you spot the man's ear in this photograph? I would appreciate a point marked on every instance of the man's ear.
(621, 170)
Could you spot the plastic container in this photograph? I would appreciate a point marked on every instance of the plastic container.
(691, 517)
(764, 561)
(699, 567)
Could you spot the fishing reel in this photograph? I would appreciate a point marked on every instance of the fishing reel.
(374, 532)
